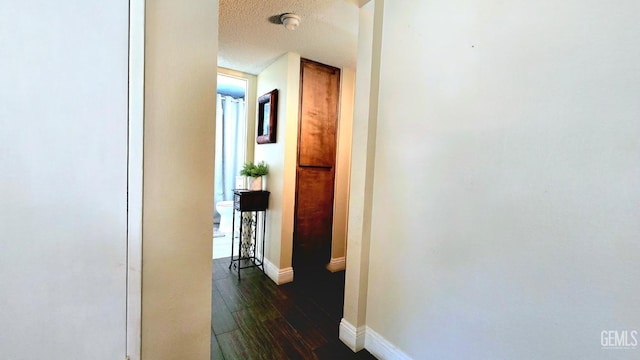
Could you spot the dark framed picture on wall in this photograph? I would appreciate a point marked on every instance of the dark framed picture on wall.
(267, 117)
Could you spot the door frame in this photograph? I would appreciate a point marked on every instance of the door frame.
(135, 179)
(250, 107)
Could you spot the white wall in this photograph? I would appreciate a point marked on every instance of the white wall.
(507, 186)
(63, 179)
(180, 88)
(284, 75)
(342, 170)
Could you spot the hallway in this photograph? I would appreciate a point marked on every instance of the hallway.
(256, 319)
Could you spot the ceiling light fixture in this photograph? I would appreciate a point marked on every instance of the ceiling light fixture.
(290, 21)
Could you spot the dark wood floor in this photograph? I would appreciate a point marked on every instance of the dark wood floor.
(255, 319)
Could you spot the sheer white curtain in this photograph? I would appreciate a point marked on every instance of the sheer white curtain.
(230, 145)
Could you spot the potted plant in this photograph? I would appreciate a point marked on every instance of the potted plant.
(255, 174)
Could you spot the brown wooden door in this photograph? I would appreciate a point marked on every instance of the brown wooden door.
(319, 95)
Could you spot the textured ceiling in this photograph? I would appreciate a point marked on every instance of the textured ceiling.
(249, 41)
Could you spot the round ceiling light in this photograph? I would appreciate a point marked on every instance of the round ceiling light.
(290, 21)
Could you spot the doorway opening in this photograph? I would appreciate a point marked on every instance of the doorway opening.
(230, 154)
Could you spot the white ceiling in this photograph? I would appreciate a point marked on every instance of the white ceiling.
(249, 41)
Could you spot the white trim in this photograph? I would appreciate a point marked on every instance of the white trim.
(351, 336)
(279, 276)
(365, 337)
(337, 264)
(135, 178)
(381, 348)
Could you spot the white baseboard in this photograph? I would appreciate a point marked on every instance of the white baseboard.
(351, 336)
(381, 348)
(337, 264)
(364, 337)
(279, 276)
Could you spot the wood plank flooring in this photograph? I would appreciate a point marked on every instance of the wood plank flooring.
(256, 319)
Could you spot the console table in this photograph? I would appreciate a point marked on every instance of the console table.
(251, 205)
